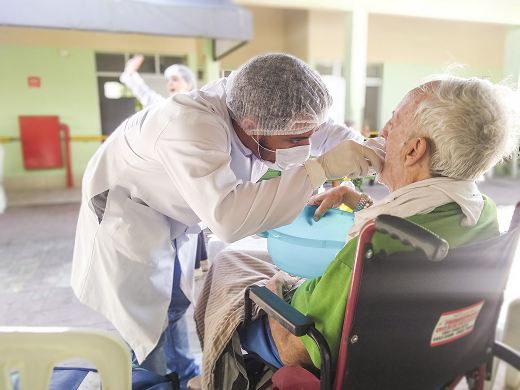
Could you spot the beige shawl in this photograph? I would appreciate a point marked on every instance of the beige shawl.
(423, 197)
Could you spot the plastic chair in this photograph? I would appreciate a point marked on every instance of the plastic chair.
(35, 351)
(393, 334)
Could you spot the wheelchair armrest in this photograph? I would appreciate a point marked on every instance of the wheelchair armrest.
(290, 318)
(294, 321)
(507, 354)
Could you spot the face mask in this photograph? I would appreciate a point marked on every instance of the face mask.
(286, 157)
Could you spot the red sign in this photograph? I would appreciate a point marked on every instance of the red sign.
(455, 324)
(33, 82)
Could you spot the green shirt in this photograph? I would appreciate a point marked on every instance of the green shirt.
(324, 298)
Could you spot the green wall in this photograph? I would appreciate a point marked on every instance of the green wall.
(399, 79)
(68, 89)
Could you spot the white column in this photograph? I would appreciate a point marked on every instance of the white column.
(512, 71)
(191, 62)
(3, 199)
(355, 65)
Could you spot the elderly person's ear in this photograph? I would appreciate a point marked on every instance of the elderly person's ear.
(416, 150)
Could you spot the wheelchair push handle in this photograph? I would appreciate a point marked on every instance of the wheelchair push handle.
(434, 247)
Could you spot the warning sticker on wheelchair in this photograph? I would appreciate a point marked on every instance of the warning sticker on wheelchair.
(455, 324)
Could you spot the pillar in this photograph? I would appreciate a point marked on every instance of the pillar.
(211, 67)
(191, 62)
(512, 72)
(355, 65)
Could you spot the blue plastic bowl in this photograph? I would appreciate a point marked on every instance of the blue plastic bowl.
(305, 248)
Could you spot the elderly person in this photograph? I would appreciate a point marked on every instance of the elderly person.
(441, 138)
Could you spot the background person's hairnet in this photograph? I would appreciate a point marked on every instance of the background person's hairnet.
(280, 93)
(184, 72)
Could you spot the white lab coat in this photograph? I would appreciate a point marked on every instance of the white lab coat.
(167, 168)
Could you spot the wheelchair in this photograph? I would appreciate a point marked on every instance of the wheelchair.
(414, 320)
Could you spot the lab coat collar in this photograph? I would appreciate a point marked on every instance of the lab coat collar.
(244, 149)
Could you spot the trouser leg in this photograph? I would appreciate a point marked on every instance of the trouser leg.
(176, 348)
(201, 250)
(154, 362)
(198, 257)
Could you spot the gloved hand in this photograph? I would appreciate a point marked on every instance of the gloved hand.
(349, 159)
(377, 144)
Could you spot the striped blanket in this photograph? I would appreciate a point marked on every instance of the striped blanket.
(219, 311)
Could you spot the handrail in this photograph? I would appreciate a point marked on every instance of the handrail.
(78, 138)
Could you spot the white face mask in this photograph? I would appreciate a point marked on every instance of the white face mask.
(286, 157)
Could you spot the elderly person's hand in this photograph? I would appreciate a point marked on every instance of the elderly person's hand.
(281, 282)
(334, 198)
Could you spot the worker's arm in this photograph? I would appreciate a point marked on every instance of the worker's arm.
(331, 133)
(195, 151)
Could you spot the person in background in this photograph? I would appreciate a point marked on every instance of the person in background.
(179, 79)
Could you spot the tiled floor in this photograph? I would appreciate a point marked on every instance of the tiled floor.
(36, 245)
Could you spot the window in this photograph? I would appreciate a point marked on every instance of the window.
(113, 64)
(166, 61)
(225, 72)
(107, 62)
(148, 65)
(116, 90)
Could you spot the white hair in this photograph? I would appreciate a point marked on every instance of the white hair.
(471, 125)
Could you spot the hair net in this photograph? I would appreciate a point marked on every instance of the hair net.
(279, 93)
(184, 72)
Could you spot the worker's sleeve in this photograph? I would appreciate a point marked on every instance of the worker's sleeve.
(330, 134)
(195, 151)
(140, 89)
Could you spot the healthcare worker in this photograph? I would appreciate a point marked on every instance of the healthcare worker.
(198, 157)
(176, 350)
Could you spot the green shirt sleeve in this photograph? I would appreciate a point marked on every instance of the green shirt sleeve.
(324, 298)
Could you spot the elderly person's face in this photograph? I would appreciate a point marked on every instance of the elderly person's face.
(396, 173)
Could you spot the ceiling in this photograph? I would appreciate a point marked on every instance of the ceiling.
(488, 11)
(219, 19)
